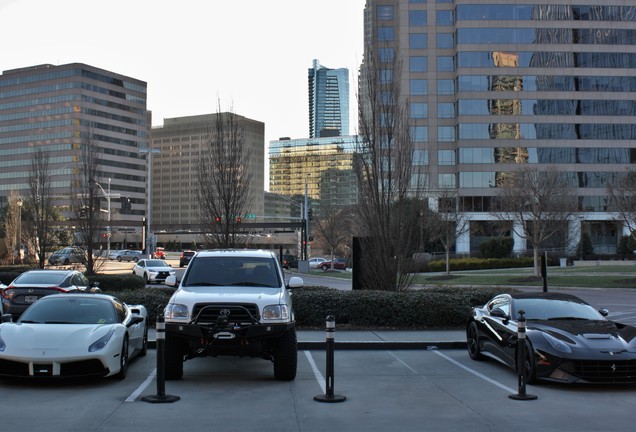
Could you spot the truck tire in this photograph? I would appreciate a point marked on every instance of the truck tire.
(286, 357)
(174, 358)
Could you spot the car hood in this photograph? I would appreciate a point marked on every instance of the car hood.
(589, 333)
(32, 337)
(160, 269)
(234, 294)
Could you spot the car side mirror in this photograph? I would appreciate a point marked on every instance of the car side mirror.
(499, 313)
(7, 318)
(295, 282)
(604, 312)
(171, 281)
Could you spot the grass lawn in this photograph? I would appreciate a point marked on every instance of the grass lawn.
(603, 276)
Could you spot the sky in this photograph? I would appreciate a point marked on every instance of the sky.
(251, 55)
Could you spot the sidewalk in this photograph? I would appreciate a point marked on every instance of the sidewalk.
(374, 339)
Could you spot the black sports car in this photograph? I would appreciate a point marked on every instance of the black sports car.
(567, 339)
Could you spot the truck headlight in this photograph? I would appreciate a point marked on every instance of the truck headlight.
(276, 312)
(176, 311)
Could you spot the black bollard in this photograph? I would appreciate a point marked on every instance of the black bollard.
(329, 396)
(521, 360)
(161, 396)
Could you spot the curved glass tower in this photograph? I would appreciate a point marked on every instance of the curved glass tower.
(328, 101)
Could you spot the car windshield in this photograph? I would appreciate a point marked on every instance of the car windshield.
(44, 277)
(156, 263)
(62, 309)
(552, 309)
(232, 271)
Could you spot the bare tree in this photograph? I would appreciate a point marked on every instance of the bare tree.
(540, 204)
(333, 229)
(622, 193)
(85, 198)
(12, 225)
(384, 168)
(224, 181)
(39, 208)
(450, 224)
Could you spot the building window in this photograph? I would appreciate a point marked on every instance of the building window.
(418, 87)
(446, 133)
(418, 64)
(446, 110)
(446, 157)
(444, 18)
(386, 55)
(418, 40)
(385, 34)
(419, 133)
(446, 180)
(385, 12)
(445, 87)
(445, 64)
(417, 18)
(419, 110)
(420, 157)
(445, 40)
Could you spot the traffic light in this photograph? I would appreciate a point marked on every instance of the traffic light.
(104, 235)
(310, 214)
(238, 219)
(217, 219)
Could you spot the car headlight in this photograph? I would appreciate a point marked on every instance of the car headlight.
(276, 312)
(176, 311)
(557, 344)
(173, 272)
(102, 341)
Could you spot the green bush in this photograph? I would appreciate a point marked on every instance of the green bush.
(445, 307)
(480, 263)
(154, 299)
(118, 282)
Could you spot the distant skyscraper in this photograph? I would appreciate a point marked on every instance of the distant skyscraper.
(328, 101)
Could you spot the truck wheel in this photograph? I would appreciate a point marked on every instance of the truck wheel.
(174, 358)
(286, 357)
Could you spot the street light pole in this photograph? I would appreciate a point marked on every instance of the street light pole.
(108, 197)
(18, 234)
(149, 153)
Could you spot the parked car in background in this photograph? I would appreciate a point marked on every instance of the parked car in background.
(131, 255)
(315, 263)
(68, 255)
(338, 263)
(290, 261)
(186, 257)
(74, 335)
(160, 253)
(114, 254)
(153, 270)
(35, 284)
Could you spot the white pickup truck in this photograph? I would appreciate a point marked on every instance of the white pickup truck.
(232, 302)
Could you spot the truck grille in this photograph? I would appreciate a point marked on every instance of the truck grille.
(207, 313)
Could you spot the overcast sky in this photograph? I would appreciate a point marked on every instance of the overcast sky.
(251, 54)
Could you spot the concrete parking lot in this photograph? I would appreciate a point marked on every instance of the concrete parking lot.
(386, 390)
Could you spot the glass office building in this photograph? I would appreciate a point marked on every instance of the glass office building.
(493, 84)
(328, 101)
(54, 108)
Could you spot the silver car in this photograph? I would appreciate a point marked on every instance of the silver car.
(68, 255)
(130, 255)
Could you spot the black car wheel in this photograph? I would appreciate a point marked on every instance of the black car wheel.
(325, 267)
(66, 261)
(286, 357)
(135, 259)
(119, 258)
(144, 343)
(123, 360)
(147, 279)
(472, 339)
(531, 365)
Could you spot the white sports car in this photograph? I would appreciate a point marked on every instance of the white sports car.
(73, 335)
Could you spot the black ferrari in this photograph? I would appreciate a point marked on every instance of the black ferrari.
(567, 339)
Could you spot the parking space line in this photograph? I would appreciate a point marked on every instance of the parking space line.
(134, 395)
(474, 372)
(317, 374)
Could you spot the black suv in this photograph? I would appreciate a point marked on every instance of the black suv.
(290, 261)
(185, 257)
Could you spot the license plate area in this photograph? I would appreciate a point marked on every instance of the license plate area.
(30, 298)
(42, 369)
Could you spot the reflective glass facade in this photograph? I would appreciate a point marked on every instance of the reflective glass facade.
(54, 107)
(500, 84)
(329, 100)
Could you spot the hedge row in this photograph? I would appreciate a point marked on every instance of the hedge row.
(480, 263)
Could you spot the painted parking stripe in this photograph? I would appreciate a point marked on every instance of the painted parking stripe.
(474, 372)
(317, 374)
(134, 395)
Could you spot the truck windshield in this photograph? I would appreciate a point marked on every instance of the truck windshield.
(232, 271)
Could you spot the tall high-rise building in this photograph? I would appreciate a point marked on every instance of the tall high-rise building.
(180, 142)
(56, 108)
(328, 101)
(495, 84)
